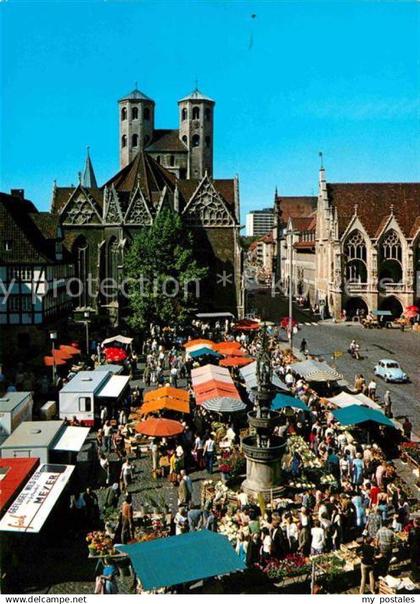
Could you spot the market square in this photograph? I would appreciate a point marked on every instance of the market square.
(206, 388)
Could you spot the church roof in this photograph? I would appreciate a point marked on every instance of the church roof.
(88, 177)
(136, 95)
(196, 95)
(375, 202)
(166, 140)
(145, 170)
(61, 196)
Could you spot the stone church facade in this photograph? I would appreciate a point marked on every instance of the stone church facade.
(160, 169)
(367, 246)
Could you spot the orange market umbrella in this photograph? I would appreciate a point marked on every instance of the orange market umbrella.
(212, 384)
(159, 426)
(198, 342)
(235, 361)
(170, 404)
(223, 346)
(166, 391)
(72, 350)
(61, 354)
(51, 361)
(234, 352)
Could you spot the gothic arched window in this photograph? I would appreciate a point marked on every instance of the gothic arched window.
(146, 113)
(391, 247)
(184, 114)
(355, 257)
(135, 113)
(135, 140)
(195, 140)
(196, 113)
(391, 257)
(185, 140)
(123, 113)
(123, 140)
(207, 113)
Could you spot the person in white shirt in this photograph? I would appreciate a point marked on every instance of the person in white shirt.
(292, 533)
(126, 473)
(209, 447)
(318, 539)
(267, 543)
(243, 499)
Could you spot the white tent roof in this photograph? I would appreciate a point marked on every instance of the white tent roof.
(317, 371)
(120, 339)
(71, 439)
(114, 386)
(206, 369)
(344, 399)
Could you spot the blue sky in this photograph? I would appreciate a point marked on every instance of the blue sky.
(299, 77)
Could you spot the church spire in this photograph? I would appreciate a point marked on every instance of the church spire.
(89, 178)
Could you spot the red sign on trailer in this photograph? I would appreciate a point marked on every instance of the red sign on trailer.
(14, 473)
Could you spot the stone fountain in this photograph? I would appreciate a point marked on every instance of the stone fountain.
(263, 450)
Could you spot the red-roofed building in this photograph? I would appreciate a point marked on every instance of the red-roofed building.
(367, 246)
(14, 473)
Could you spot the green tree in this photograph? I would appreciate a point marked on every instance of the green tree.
(162, 275)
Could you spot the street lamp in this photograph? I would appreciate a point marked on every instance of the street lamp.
(290, 234)
(53, 338)
(86, 315)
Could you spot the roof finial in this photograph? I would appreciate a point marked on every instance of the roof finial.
(136, 85)
(391, 207)
(322, 159)
(79, 176)
(356, 207)
(196, 83)
(87, 150)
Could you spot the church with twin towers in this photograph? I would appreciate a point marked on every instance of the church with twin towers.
(160, 169)
(186, 151)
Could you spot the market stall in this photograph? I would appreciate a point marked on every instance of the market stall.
(182, 559)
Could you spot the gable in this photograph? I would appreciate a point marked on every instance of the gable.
(80, 209)
(206, 208)
(138, 212)
(112, 209)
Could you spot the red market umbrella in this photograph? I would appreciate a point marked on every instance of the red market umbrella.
(72, 350)
(285, 322)
(235, 361)
(413, 308)
(51, 361)
(115, 355)
(159, 426)
(410, 314)
(246, 325)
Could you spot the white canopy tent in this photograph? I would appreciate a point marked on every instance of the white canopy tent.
(312, 370)
(344, 399)
(118, 339)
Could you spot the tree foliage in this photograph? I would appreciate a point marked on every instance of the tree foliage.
(162, 273)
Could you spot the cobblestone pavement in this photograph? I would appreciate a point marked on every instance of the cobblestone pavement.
(64, 567)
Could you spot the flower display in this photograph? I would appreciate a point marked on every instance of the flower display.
(100, 544)
(292, 565)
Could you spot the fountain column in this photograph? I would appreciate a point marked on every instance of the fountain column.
(263, 450)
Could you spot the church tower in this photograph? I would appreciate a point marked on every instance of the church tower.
(137, 122)
(196, 132)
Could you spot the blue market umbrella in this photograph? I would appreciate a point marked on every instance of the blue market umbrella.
(203, 352)
(357, 414)
(280, 401)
